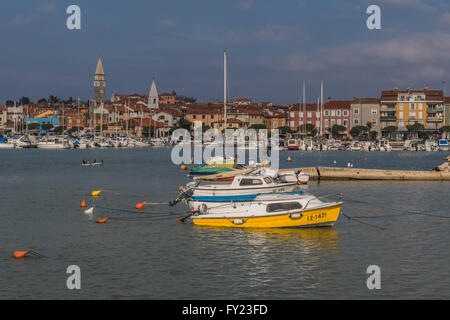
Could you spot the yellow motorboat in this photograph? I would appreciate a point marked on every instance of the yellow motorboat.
(270, 211)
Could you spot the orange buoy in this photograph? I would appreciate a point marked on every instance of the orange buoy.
(365, 158)
(102, 220)
(83, 204)
(180, 188)
(288, 159)
(141, 205)
(20, 254)
(183, 167)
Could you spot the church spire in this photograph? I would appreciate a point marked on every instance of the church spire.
(153, 102)
(99, 69)
(99, 83)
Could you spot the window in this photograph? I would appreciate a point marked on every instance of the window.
(268, 180)
(203, 116)
(374, 111)
(356, 111)
(345, 123)
(327, 113)
(292, 124)
(333, 113)
(326, 123)
(401, 106)
(338, 112)
(309, 114)
(356, 121)
(420, 115)
(412, 106)
(212, 116)
(420, 106)
(339, 121)
(292, 114)
(250, 182)
(283, 206)
(317, 114)
(345, 112)
(400, 115)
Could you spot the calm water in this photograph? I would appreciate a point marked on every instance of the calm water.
(148, 255)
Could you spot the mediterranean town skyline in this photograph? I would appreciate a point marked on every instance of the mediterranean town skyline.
(272, 48)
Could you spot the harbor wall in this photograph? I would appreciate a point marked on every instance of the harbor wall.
(331, 173)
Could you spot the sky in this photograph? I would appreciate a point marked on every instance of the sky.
(272, 46)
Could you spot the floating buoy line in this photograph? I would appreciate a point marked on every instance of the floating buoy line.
(401, 213)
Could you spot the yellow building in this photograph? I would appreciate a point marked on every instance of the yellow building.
(401, 108)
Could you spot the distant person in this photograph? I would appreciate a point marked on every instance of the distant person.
(95, 160)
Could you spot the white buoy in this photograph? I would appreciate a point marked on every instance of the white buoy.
(334, 161)
(89, 211)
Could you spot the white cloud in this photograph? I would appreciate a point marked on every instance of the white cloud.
(274, 32)
(445, 18)
(417, 56)
(245, 4)
(32, 16)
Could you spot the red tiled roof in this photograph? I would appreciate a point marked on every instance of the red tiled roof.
(337, 104)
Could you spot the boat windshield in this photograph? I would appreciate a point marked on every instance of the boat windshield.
(283, 206)
(250, 182)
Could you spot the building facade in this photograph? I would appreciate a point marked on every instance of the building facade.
(99, 83)
(402, 108)
(365, 112)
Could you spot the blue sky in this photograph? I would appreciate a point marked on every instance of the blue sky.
(271, 45)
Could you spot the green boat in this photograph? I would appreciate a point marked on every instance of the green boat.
(203, 170)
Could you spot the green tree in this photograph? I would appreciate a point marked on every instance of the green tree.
(444, 129)
(310, 129)
(183, 123)
(389, 129)
(58, 129)
(373, 134)
(284, 130)
(34, 126)
(357, 131)
(336, 130)
(24, 101)
(46, 126)
(258, 126)
(416, 127)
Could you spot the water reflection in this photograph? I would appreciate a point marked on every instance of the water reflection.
(276, 256)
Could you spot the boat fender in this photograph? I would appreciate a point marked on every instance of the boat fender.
(203, 208)
(238, 221)
(295, 215)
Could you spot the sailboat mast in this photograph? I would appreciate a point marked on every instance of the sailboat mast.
(304, 111)
(225, 88)
(78, 118)
(321, 108)
(101, 122)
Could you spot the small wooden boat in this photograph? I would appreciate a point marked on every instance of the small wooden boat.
(91, 164)
(271, 211)
(243, 185)
(203, 170)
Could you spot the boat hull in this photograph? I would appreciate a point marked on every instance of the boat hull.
(216, 192)
(320, 217)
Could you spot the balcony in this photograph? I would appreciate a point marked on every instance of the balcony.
(435, 119)
(388, 118)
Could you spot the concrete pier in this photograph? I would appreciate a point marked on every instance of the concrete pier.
(332, 173)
